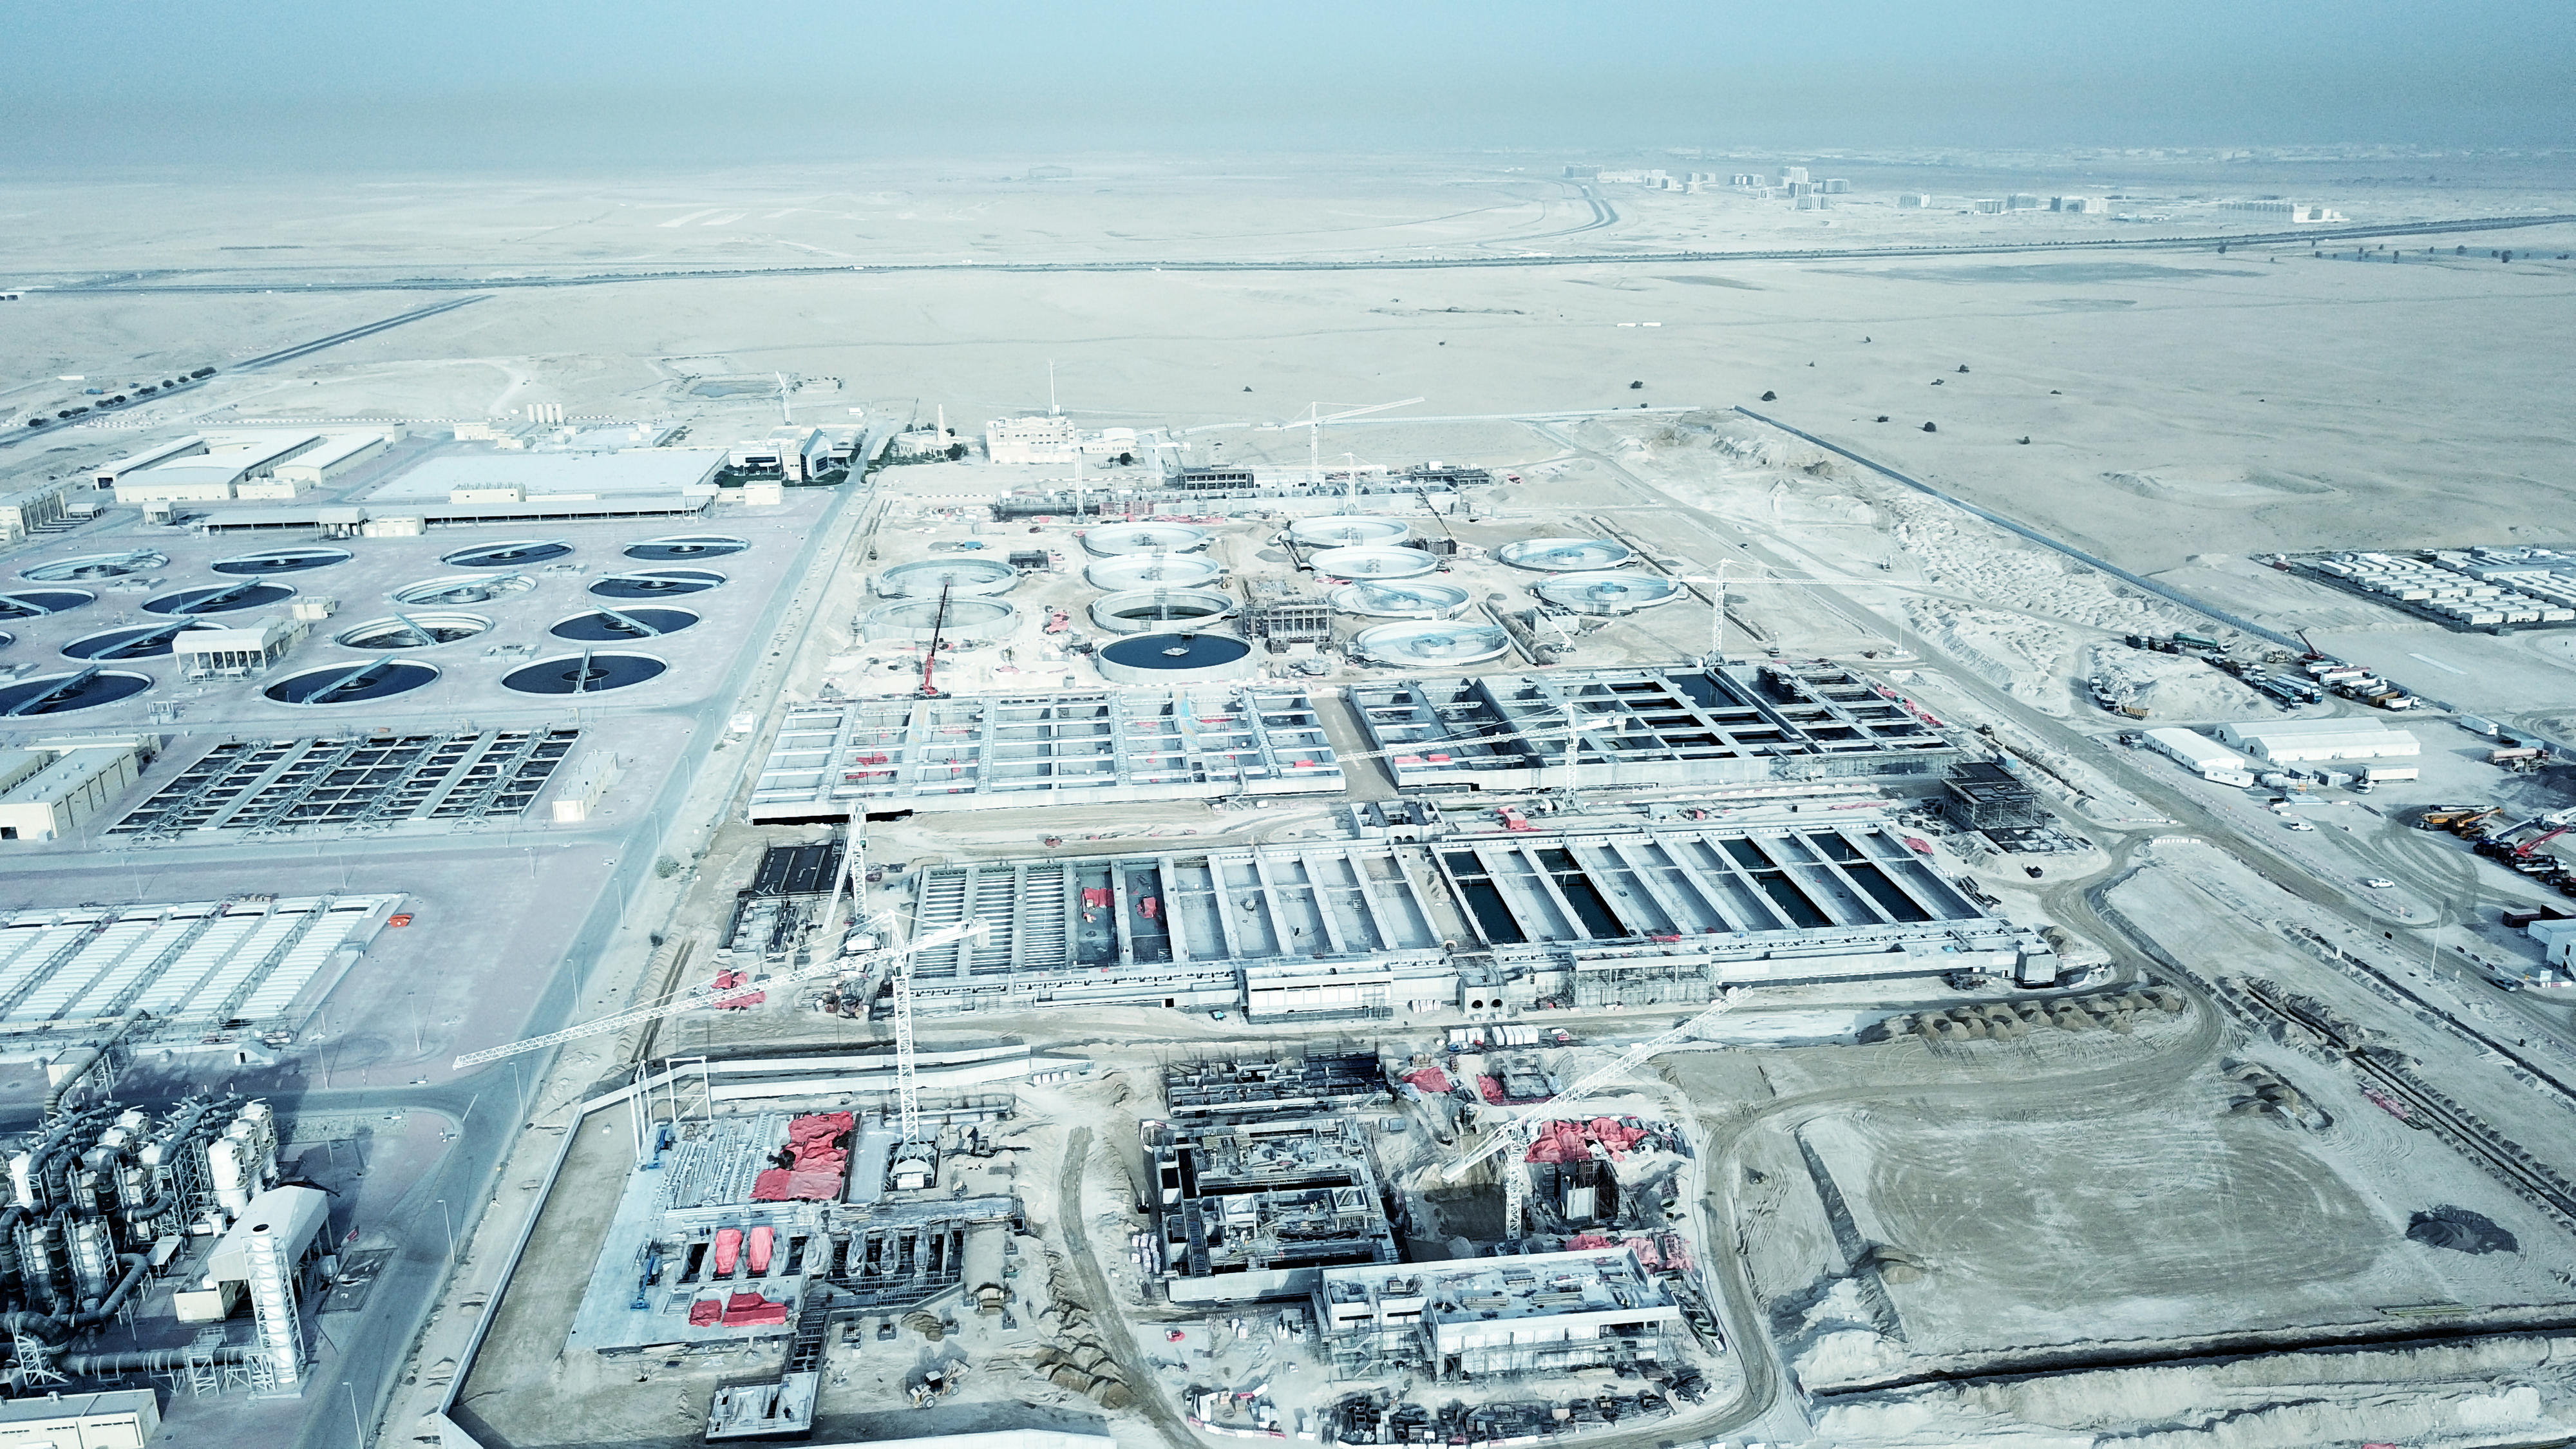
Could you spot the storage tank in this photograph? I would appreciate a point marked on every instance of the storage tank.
(1400, 599)
(1432, 643)
(962, 622)
(1150, 570)
(1123, 538)
(1372, 563)
(1607, 593)
(1565, 555)
(961, 577)
(1135, 610)
(1345, 530)
(1174, 659)
(226, 1172)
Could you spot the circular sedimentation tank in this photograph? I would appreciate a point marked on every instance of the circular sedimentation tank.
(584, 674)
(1168, 659)
(681, 547)
(1133, 611)
(463, 589)
(1114, 539)
(1566, 555)
(959, 576)
(219, 599)
(656, 583)
(601, 627)
(1400, 599)
(59, 694)
(967, 622)
(412, 631)
(508, 554)
(352, 683)
(1349, 530)
(1607, 593)
(98, 566)
(37, 603)
(150, 641)
(281, 561)
(1151, 570)
(1372, 563)
(1425, 642)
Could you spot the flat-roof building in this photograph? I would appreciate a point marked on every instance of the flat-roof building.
(237, 652)
(336, 456)
(115, 1419)
(1048, 440)
(1484, 1317)
(544, 479)
(2198, 754)
(48, 792)
(107, 474)
(28, 509)
(2300, 741)
(221, 472)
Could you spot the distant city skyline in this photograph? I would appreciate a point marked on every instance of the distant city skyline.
(476, 83)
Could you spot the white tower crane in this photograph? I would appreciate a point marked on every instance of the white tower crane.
(1314, 423)
(692, 997)
(1517, 1131)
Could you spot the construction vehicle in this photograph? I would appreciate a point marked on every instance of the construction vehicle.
(1518, 1131)
(2435, 817)
(2500, 843)
(930, 652)
(2470, 823)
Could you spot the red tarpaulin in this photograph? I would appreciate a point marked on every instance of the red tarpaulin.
(1586, 1242)
(1491, 1088)
(746, 1310)
(705, 1312)
(1430, 1079)
(728, 1250)
(780, 1184)
(1095, 895)
(761, 1240)
(1573, 1141)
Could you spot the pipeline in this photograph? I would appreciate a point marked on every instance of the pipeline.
(147, 1361)
(86, 1058)
(54, 1328)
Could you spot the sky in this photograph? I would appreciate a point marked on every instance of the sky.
(262, 83)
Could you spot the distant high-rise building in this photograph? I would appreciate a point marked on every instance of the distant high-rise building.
(1836, 186)
(2021, 201)
(1029, 440)
(2296, 212)
(1987, 206)
(1792, 175)
(1743, 178)
(2076, 204)
(1912, 199)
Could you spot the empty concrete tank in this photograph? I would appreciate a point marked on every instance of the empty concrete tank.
(959, 576)
(1133, 611)
(1433, 644)
(967, 622)
(1124, 538)
(1150, 571)
(1565, 555)
(1174, 659)
(1372, 563)
(1400, 599)
(1615, 593)
(1349, 530)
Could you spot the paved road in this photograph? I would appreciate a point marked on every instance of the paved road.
(137, 283)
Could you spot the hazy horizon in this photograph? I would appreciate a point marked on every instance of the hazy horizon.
(272, 85)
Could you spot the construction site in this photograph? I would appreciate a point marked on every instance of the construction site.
(1611, 926)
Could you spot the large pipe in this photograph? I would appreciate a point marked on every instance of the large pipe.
(53, 1328)
(86, 1058)
(148, 1361)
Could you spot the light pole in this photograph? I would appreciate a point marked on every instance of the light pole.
(450, 1219)
(356, 1424)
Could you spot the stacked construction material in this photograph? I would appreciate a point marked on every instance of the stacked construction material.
(736, 1310)
(814, 1162)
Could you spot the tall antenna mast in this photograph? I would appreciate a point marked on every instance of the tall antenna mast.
(1052, 409)
(782, 399)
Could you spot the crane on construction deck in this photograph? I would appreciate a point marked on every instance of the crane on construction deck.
(690, 998)
(930, 656)
(1314, 424)
(1517, 1131)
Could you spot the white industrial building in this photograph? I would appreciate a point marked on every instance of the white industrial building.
(48, 790)
(237, 652)
(2197, 754)
(108, 474)
(28, 509)
(105, 1419)
(242, 466)
(1483, 1317)
(336, 456)
(1048, 440)
(2303, 741)
(2273, 208)
(2557, 940)
(538, 478)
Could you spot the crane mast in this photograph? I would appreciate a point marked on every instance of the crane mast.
(1517, 1131)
